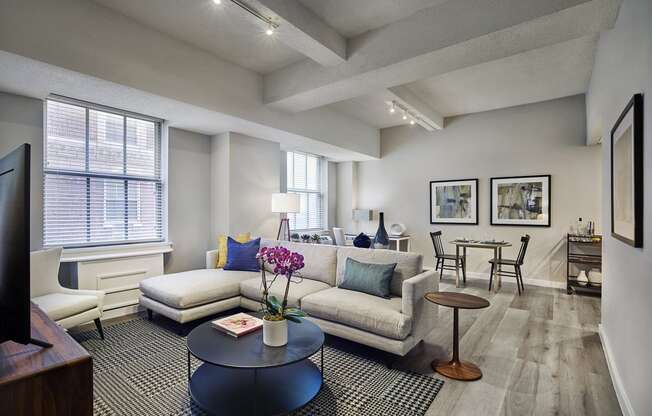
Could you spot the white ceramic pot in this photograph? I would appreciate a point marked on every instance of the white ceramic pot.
(582, 278)
(275, 333)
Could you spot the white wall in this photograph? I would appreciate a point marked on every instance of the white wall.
(189, 183)
(347, 194)
(21, 121)
(623, 67)
(245, 171)
(543, 138)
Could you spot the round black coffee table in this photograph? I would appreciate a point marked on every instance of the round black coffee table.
(243, 376)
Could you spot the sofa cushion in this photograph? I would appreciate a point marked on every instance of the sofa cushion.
(62, 305)
(195, 287)
(359, 310)
(319, 259)
(373, 279)
(253, 289)
(407, 264)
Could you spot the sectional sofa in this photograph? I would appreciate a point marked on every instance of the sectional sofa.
(394, 325)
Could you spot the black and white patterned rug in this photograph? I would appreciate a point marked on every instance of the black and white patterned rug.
(140, 369)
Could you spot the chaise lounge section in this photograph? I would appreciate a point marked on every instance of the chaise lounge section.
(393, 325)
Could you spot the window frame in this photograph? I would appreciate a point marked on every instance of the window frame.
(158, 179)
(319, 192)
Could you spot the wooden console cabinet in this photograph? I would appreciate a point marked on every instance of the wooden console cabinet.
(55, 381)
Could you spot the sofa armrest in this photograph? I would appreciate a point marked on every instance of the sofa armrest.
(98, 293)
(423, 313)
(211, 259)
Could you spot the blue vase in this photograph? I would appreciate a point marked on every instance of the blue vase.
(381, 240)
(362, 241)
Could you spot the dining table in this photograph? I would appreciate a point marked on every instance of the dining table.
(496, 246)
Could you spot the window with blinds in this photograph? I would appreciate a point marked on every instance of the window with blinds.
(304, 178)
(102, 176)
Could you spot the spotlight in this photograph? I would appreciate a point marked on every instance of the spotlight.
(392, 109)
(217, 1)
(404, 116)
(270, 30)
(412, 122)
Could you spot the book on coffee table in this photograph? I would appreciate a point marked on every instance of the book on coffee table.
(238, 324)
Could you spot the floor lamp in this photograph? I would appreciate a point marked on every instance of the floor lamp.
(283, 203)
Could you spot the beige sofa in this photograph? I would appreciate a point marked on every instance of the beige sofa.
(394, 325)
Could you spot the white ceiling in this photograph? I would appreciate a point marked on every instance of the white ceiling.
(353, 17)
(223, 30)
(555, 71)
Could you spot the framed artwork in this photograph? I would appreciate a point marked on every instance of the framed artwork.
(627, 174)
(520, 200)
(454, 202)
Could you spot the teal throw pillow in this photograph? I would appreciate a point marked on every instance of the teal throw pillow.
(370, 278)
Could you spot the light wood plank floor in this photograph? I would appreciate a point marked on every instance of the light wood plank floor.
(540, 354)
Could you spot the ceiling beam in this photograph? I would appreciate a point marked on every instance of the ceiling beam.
(427, 118)
(302, 30)
(434, 41)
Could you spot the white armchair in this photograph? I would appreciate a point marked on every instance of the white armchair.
(67, 307)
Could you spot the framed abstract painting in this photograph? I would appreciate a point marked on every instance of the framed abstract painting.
(627, 174)
(454, 202)
(520, 200)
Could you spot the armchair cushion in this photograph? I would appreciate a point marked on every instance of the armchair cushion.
(63, 305)
(359, 310)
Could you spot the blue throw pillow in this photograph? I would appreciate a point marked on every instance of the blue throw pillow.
(242, 256)
(370, 278)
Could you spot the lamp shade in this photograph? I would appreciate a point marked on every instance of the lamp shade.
(285, 203)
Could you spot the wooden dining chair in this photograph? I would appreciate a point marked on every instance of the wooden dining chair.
(517, 273)
(441, 257)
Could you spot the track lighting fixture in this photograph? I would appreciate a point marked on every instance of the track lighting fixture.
(412, 122)
(392, 108)
(270, 30)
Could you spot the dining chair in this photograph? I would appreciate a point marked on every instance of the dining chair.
(67, 307)
(340, 238)
(517, 273)
(441, 257)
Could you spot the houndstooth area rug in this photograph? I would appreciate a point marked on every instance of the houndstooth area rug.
(140, 369)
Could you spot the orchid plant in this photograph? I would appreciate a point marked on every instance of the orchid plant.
(283, 263)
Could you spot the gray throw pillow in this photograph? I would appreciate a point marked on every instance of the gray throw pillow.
(373, 279)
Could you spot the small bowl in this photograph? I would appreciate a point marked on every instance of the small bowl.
(396, 230)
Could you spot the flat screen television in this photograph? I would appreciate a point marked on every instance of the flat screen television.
(15, 307)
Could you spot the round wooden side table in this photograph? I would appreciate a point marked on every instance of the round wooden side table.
(456, 369)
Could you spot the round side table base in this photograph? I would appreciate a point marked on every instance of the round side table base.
(457, 370)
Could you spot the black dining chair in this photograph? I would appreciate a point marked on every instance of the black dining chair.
(495, 263)
(442, 257)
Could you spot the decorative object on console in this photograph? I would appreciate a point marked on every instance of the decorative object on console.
(627, 174)
(295, 237)
(582, 279)
(305, 238)
(242, 256)
(223, 247)
(454, 201)
(397, 230)
(381, 240)
(283, 204)
(362, 241)
(315, 238)
(238, 324)
(520, 200)
(276, 313)
(370, 278)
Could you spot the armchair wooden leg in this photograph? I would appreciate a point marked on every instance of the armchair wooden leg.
(98, 324)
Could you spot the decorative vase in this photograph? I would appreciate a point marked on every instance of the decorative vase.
(381, 240)
(362, 241)
(582, 278)
(275, 333)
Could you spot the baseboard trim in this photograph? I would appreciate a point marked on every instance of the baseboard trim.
(623, 399)
(526, 280)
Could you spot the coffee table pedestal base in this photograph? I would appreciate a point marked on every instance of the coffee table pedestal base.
(271, 391)
(457, 370)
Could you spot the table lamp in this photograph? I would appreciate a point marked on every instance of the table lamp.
(284, 203)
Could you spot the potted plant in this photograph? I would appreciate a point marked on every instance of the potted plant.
(315, 238)
(305, 238)
(284, 264)
(295, 237)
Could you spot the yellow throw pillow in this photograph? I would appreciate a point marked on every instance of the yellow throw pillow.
(222, 247)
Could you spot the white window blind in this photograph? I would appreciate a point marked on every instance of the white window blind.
(102, 176)
(304, 178)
